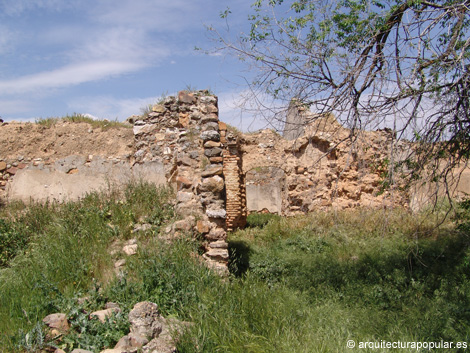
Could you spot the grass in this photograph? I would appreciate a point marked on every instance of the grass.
(80, 118)
(65, 252)
(364, 275)
(303, 284)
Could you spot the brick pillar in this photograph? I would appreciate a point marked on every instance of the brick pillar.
(234, 186)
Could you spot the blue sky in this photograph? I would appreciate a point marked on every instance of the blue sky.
(110, 58)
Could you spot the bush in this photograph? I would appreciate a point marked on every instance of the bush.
(260, 220)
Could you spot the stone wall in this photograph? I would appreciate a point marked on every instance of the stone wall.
(184, 134)
(322, 168)
(73, 176)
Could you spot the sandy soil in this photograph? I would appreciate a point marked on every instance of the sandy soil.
(31, 140)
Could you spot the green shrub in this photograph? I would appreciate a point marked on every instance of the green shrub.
(103, 124)
(260, 220)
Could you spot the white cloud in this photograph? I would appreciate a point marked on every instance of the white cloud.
(60, 44)
(68, 75)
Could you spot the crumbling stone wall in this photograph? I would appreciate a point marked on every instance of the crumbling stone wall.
(323, 167)
(185, 135)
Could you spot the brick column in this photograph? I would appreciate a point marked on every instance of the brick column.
(234, 186)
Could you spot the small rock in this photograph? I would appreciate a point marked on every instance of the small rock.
(131, 340)
(103, 314)
(184, 224)
(212, 170)
(183, 183)
(210, 117)
(219, 267)
(210, 126)
(81, 351)
(186, 161)
(217, 254)
(119, 263)
(186, 97)
(132, 241)
(183, 196)
(212, 144)
(130, 250)
(12, 170)
(219, 244)
(213, 152)
(220, 213)
(203, 227)
(208, 100)
(222, 125)
(213, 184)
(158, 108)
(216, 234)
(210, 135)
(57, 321)
(216, 159)
(160, 345)
(141, 227)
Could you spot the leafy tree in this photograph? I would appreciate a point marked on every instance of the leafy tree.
(373, 63)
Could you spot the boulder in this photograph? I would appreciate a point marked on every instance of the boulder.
(217, 254)
(212, 170)
(186, 97)
(213, 184)
(210, 135)
(183, 183)
(219, 244)
(216, 234)
(203, 227)
(132, 340)
(57, 321)
(144, 320)
(212, 144)
(130, 250)
(216, 213)
(103, 314)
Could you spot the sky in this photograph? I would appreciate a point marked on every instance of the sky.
(112, 58)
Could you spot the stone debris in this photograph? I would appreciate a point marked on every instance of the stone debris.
(57, 323)
(141, 227)
(102, 315)
(149, 331)
(130, 247)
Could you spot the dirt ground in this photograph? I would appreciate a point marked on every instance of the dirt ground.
(31, 140)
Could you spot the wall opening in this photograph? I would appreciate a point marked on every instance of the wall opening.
(265, 189)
